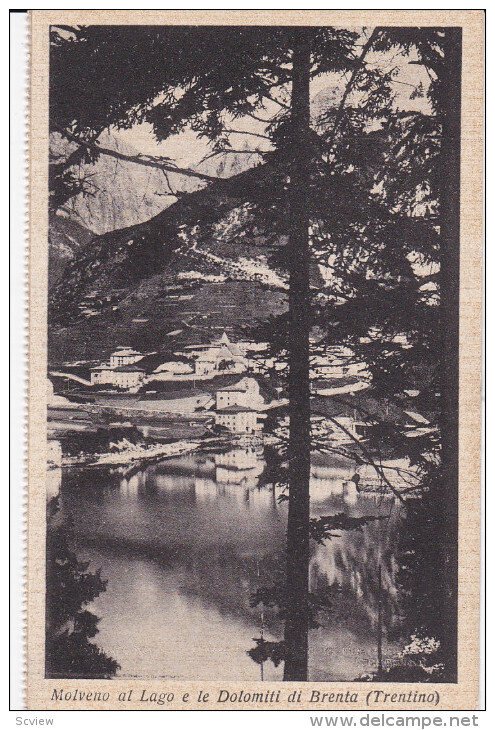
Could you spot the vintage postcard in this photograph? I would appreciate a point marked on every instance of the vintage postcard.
(255, 253)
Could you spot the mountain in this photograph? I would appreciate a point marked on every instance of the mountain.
(65, 239)
(123, 194)
(120, 194)
(325, 100)
(230, 163)
(185, 275)
(198, 267)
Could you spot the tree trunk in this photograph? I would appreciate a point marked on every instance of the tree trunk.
(297, 614)
(449, 109)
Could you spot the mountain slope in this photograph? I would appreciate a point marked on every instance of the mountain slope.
(190, 270)
(66, 238)
(121, 194)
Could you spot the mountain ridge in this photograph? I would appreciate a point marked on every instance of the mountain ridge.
(190, 261)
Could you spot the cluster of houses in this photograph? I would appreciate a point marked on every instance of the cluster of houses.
(128, 369)
(221, 376)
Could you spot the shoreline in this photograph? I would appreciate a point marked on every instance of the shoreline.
(128, 457)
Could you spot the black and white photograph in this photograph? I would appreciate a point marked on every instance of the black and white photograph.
(252, 360)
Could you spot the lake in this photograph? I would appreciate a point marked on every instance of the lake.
(185, 543)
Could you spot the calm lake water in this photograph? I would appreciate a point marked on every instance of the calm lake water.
(185, 543)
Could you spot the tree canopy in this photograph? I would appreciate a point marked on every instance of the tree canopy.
(359, 190)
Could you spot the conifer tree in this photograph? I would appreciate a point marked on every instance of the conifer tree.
(366, 189)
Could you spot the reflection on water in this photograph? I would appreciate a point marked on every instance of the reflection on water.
(185, 543)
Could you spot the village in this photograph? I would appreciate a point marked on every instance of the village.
(237, 381)
(142, 407)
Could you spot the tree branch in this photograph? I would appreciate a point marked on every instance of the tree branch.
(348, 88)
(371, 461)
(250, 134)
(159, 163)
(229, 151)
(276, 101)
(259, 119)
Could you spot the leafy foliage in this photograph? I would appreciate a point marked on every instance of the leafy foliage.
(267, 650)
(69, 625)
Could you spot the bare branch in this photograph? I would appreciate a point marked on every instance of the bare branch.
(250, 134)
(159, 163)
(276, 101)
(348, 88)
(259, 119)
(229, 152)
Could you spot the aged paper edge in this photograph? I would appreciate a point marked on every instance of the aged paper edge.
(464, 694)
(19, 236)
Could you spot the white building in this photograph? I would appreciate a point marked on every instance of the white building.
(237, 406)
(238, 419)
(102, 375)
(244, 394)
(128, 376)
(122, 372)
(222, 356)
(125, 377)
(124, 356)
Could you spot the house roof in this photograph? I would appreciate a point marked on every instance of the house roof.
(218, 352)
(175, 395)
(240, 386)
(236, 409)
(125, 352)
(129, 369)
(223, 340)
(213, 349)
(150, 362)
(173, 366)
(234, 349)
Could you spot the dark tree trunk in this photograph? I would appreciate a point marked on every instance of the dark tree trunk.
(296, 626)
(449, 109)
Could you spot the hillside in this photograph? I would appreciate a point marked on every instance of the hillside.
(191, 270)
(123, 194)
(66, 239)
(119, 194)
